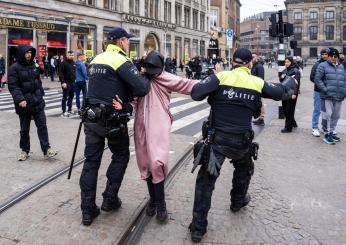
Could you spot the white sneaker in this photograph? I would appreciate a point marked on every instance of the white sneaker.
(65, 114)
(23, 156)
(50, 153)
(315, 132)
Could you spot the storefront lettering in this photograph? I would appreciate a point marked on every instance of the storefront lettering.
(148, 22)
(10, 22)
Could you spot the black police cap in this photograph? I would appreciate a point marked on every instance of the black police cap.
(242, 56)
(117, 33)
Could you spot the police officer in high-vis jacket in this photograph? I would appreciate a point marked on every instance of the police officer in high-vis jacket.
(113, 77)
(234, 97)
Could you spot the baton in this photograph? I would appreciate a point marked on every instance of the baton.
(75, 149)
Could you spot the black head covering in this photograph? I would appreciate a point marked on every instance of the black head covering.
(154, 63)
(21, 50)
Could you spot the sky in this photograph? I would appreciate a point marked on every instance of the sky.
(251, 7)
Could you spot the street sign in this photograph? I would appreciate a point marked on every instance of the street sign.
(229, 34)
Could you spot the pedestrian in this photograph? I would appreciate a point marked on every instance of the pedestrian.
(81, 77)
(25, 86)
(289, 106)
(52, 68)
(237, 93)
(46, 62)
(2, 69)
(258, 71)
(317, 99)
(112, 74)
(330, 78)
(152, 142)
(68, 78)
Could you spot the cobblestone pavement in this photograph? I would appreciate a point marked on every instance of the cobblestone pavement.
(298, 192)
(52, 215)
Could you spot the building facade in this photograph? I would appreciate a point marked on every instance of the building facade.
(223, 15)
(176, 28)
(254, 35)
(317, 25)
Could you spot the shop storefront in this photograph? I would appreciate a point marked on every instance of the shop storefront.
(48, 38)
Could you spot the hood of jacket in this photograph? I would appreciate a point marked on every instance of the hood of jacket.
(22, 49)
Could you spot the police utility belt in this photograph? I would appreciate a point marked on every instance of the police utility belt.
(114, 121)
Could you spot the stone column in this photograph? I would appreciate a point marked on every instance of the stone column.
(99, 3)
(99, 38)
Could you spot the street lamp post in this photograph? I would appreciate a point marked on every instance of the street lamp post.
(69, 18)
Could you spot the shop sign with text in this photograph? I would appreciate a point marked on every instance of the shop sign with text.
(30, 24)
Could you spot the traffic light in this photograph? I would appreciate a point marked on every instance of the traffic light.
(273, 29)
(293, 44)
(288, 29)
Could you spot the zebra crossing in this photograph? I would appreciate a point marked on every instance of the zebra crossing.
(188, 114)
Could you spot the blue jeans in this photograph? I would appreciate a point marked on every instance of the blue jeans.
(80, 86)
(317, 110)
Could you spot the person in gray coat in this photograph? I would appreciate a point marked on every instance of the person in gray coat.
(330, 78)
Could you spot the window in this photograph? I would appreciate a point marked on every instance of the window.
(313, 52)
(298, 32)
(298, 16)
(213, 17)
(151, 8)
(344, 14)
(168, 11)
(187, 17)
(195, 19)
(313, 15)
(134, 7)
(329, 32)
(313, 32)
(178, 14)
(202, 22)
(329, 15)
(88, 2)
(344, 32)
(110, 4)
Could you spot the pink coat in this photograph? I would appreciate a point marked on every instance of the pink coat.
(153, 123)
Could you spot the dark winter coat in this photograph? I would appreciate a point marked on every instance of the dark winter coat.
(313, 73)
(67, 71)
(24, 82)
(258, 70)
(292, 71)
(331, 80)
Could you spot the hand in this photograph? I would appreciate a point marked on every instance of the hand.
(64, 86)
(294, 97)
(143, 70)
(218, 68)
(22, 104)
(117, 103)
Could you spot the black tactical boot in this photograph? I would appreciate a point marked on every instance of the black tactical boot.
(151, 208)
(90, 215)
(89, 209)
(196, 235)
(161, 210)
(111, 201)
(237, 205)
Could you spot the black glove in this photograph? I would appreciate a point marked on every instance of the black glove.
(199, 152)
(290, 83)
(214, 165)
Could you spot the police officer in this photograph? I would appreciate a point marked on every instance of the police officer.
(112, 74)
(234, 97)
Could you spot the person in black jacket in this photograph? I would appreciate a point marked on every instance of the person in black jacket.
(289, 106)
(258, 71)
(25, 85)
(68, 79)
(317, 100)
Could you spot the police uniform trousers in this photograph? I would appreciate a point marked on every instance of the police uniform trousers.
(239, 151)
(95, 135)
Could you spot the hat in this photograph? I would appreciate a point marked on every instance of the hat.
(333, 51)
(325, 51)
(154, 63)
(117, 33)
(242, 56)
